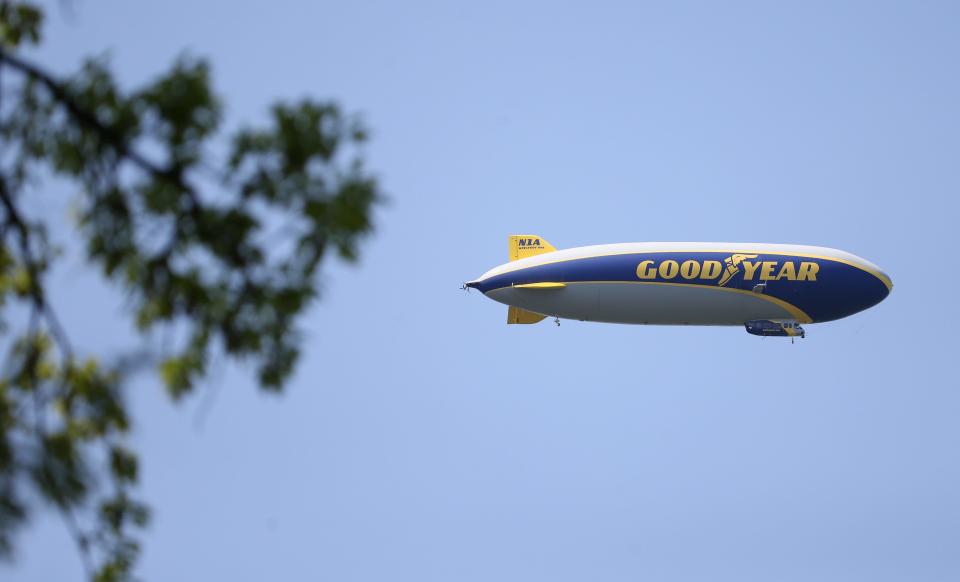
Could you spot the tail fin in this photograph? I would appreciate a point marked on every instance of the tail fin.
(528, 245)
(517, 315)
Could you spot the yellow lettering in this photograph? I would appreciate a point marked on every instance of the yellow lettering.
(644, 271)
(808, 271)
(766, 273)
(711, 270)
(668, 269)
(689, 269)
(788, 271)
(749, 270)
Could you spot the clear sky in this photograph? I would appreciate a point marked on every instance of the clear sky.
(423, 439)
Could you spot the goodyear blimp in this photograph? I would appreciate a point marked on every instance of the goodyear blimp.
(770, 289)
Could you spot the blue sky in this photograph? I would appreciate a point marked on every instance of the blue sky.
(423, 439)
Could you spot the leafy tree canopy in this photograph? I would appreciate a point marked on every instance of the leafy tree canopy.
(223, 250)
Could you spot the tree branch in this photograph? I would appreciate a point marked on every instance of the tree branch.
(36, 290)
(62, 94)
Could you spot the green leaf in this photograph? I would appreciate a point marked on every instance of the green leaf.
(19, 22)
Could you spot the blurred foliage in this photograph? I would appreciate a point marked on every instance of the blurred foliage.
(222, 250)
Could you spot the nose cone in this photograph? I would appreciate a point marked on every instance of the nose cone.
(872, 290)
(886, 281)
(845, 287)
(878, 292)
(887, 284)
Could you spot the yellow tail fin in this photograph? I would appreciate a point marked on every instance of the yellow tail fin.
(517, 315)
(528, 245)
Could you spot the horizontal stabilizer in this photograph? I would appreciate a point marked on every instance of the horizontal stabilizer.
(540, 286)
(517, 315)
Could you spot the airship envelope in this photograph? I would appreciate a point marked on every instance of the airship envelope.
(770, 289)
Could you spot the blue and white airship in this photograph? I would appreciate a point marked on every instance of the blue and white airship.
(770, 289)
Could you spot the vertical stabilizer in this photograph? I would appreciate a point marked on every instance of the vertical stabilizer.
(517, 315)
(528, 245)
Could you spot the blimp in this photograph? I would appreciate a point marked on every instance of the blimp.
(769, 289)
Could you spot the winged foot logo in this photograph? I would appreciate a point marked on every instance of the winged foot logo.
(733, 267)
(693, 269)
